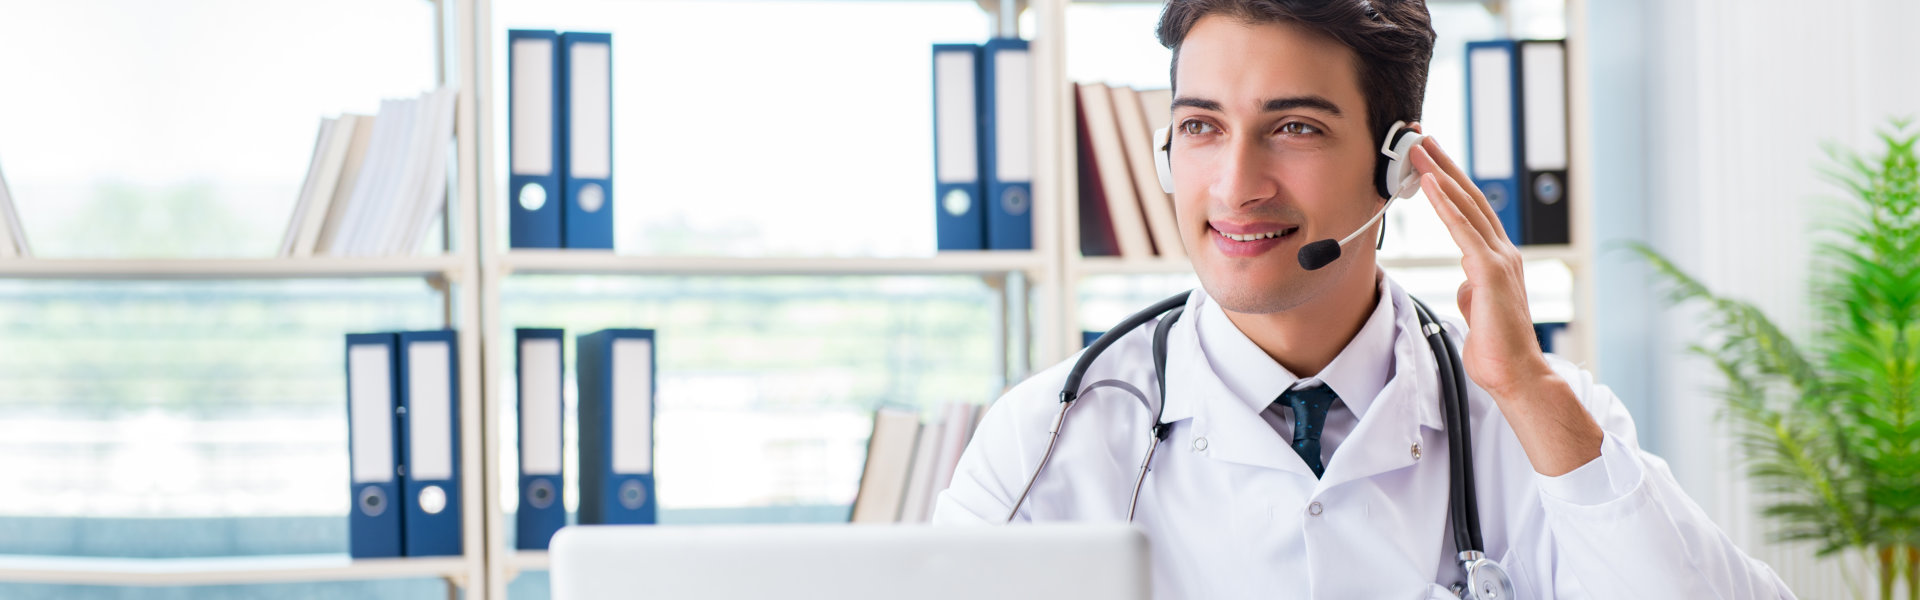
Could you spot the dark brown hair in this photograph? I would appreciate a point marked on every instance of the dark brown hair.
(1392, 40)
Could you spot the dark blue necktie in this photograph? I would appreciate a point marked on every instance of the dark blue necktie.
(1309, 406)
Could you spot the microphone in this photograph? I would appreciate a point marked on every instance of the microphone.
(1319, 254)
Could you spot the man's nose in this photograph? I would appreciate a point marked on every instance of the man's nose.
(1243, 176)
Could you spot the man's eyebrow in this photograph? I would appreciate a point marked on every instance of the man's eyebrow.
(1198, 103)
(1307, 102)
(1271, 105)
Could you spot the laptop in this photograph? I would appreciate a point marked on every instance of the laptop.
(850, 562)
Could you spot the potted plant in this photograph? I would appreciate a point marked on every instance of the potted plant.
(1831, 427)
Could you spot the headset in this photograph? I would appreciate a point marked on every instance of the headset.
(1394, 178)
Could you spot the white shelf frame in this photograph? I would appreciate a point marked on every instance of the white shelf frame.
(448, 267)
(574, 262)
(521, 561)
(157, 572)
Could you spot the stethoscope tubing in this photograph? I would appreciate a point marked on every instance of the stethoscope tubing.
(1465, 522)
(1462, 503)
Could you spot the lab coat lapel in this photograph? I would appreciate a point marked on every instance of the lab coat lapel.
(1222, 423)
(1385, 438)
(1383, 441)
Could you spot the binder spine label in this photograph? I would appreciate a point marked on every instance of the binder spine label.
(586, 74)
(374, 523)
(533, 181)
(543, 508)
(960, 216)
(617, 387)
(1008, 125)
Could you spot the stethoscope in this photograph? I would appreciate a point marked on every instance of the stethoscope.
(1486, 579)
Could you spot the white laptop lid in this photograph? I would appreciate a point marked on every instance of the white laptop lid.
(842, 562)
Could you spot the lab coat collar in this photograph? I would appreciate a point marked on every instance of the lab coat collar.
(1236, 434)
(1414, 361)
(1357, 373)
(1189, 377)
(1389, 437)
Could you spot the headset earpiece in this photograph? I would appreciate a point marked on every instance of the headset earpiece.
(1163, 143)
(1394, 176)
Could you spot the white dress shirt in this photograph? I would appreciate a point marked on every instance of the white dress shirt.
(1356, 375)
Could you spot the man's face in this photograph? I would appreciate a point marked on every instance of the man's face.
(1269, 137)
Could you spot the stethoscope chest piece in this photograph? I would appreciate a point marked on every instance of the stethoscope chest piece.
(1486, 579)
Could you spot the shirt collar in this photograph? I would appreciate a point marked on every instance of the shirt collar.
(1357, 373)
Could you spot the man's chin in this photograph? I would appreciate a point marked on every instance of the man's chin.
(1255, 293)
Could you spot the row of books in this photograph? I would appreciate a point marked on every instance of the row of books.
(403, 439)
(617, 385)
(403, 411)
(1517, 136)
(1123, 210)
(983, 146)
(13, 239)
(376, 185)
(560, 139)
(910, 463)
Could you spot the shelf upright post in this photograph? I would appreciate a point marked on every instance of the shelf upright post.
(498, 571)
(1019, 311)
(1580, 137)
(439, 40)
(1055, 189)
(455, 69)
(1002, 327)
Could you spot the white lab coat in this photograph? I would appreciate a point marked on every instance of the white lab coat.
(1233, 512)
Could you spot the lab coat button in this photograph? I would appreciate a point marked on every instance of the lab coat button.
(1416, 451)
(1199, 444)
(1314, 509)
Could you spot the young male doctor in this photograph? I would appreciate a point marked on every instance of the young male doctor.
(1307, 452)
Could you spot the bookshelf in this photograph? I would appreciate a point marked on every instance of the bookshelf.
(1041, 326)
(1010, 273)
(454, 273)
(1040, 294)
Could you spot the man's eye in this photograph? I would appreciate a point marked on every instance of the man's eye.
(1298, 128)
(1195, 127)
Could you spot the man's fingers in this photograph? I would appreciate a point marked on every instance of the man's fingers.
(1438, 156)
(1456, 195)
(1464, 235)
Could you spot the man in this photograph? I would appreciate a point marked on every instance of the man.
(1301, 402)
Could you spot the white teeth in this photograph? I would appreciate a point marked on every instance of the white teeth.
(1252, 237)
